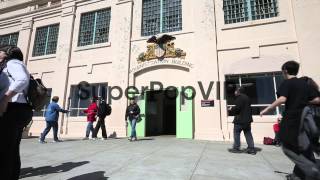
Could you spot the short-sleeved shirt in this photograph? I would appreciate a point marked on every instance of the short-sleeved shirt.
(298, 94)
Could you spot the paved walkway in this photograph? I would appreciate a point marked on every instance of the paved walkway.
(164, 158)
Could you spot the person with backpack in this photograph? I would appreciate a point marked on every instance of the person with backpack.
(16, 111)
(51, 117)
(296, 94)
(242, 121)
(91, 112)
(132, 113)
(104, 110)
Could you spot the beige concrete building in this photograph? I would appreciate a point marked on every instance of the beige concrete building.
(224, 43)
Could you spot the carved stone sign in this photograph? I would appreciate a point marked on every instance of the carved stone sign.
(160, 48)
(167, 61)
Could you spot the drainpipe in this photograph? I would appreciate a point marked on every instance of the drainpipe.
(218, 65)
(129, 59)
(67, 77)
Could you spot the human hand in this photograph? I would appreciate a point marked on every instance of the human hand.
(264, 111)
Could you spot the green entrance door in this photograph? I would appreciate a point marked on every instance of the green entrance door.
(184, 112)
(141, 123)
(184, 116)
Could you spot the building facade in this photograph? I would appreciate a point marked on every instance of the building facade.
(204, 47)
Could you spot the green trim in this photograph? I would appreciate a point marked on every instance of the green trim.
(184, 119)
(249, 10)
(161, 15)
(94, 27)
(47, 39)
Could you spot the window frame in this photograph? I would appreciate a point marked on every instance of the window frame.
(10, 38)
(108, 26)
(161, 27)
(268, 74)
(78, 108)
(45, 53)
(249, 7)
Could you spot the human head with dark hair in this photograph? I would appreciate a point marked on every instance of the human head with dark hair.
(310, 82)
(11, 52)
(55, 99)
(238, 91)
(94, 99)
(290, 68)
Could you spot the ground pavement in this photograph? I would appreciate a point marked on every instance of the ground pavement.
(165, 158)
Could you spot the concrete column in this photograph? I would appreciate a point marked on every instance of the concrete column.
(63, 54)
(307, 26)
(24, 36)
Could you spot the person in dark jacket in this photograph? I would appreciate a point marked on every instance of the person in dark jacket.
(133, 113)
(102, 114)
(51, 117)
(296, 94)
(242, 121)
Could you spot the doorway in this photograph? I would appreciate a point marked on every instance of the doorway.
(161, 112)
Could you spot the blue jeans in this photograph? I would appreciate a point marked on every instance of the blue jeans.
(54, 126)
(247, 133)
(133, 123)
(90, 128)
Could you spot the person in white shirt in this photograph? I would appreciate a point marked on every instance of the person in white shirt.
(17, 113)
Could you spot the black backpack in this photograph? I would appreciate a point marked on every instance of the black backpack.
(37, 93)
(104, 109)
(309, 130)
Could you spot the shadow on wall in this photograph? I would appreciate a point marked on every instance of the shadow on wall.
(99, 175)
(45, 170)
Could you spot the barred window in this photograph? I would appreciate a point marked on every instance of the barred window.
(235, 11)
(46, 40)
(9, 39)
(94, 27)
(159, 16)
(262, 9)
(244, 10)
(81, 95)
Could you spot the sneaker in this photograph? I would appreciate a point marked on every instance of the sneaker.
(93, 138)
(103, 139)
(234, 150)
(56, 141)
(292, 177)
(130, 139)
(251, 151)
(42, 142)
(86, 138)
(135, 139)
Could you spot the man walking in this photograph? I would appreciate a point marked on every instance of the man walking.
(51, 117)
(242, 122)
(104, 110)
(295, 93)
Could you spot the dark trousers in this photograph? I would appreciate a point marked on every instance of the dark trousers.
(247, 133)
(13, 121)
(54, 126)
(305, 163)
(100, 123)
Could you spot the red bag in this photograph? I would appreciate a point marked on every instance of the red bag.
(268, 141)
